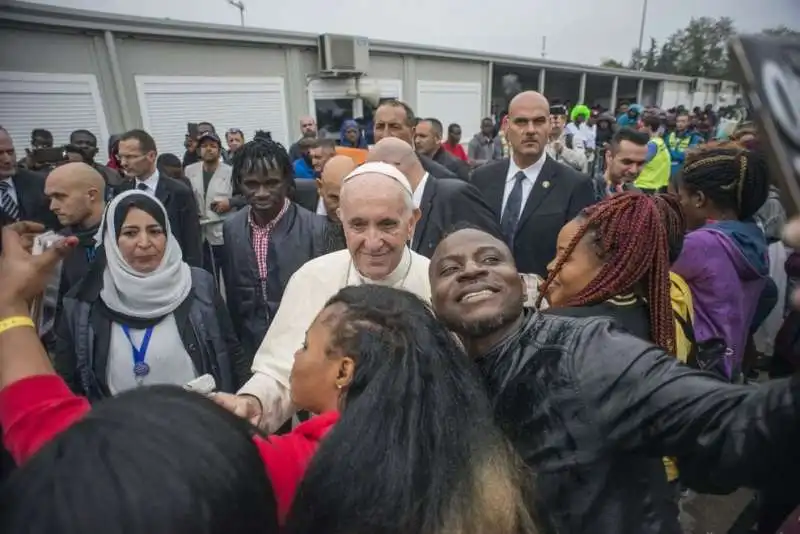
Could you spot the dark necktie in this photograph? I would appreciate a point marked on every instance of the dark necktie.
(7, 203)
(142, 187)
(508, 223)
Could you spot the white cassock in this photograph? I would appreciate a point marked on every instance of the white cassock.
(308, 290)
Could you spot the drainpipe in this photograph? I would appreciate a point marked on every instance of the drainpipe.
(116, 74)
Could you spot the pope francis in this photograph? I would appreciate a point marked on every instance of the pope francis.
(377, 211)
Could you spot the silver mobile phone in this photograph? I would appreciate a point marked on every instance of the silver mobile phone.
(205, 385)
(42, 320)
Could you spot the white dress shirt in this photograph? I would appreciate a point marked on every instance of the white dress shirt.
(321, 210)
(531, 174)
(589, 136)
(418, 192)
(12, 191)
(151, 182)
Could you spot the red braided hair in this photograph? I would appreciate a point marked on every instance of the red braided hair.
(630, 232)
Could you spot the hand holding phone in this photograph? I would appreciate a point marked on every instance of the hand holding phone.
(205, 385)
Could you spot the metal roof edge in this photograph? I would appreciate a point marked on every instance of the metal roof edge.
(46, 15)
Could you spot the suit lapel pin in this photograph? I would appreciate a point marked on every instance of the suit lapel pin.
(545, 184)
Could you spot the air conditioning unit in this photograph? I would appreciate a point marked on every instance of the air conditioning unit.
(343, 55)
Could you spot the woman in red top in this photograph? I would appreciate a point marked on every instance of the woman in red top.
(160, 460)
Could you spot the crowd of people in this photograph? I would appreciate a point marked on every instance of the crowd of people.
(559, 329)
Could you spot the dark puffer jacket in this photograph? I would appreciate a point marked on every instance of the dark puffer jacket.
(592, 409)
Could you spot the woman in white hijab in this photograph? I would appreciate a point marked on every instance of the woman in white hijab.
(142, 316)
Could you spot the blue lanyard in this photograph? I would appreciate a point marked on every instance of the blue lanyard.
(140, 367)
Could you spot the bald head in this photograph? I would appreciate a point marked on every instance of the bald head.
(77, 174)
(527, 127)
(526, 99)
(308, 126)
(399, 154)
(329, 184)
(336, 169)
(77, 194)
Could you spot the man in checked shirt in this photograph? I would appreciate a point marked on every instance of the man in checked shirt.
(266, 242)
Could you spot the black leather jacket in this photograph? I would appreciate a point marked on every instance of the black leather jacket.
(592, 409)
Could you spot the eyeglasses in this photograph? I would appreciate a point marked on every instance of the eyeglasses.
(130, 157)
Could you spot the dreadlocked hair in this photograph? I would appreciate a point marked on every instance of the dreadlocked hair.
(674, 221)
(259, 156)
(730, 175)
(629, 232)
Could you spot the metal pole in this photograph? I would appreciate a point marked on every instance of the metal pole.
(238, 4)
(116, 76)
(641, 34)
(544, 46)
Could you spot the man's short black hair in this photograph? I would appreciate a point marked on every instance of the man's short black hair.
(168, 160)
(146, 141)
(436, 124)
(411, 119)
(651, 121)
(452, 127)
(82, 132)
(628, 134)
(41, 133)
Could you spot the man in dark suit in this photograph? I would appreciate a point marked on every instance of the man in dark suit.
(305, 193)
(394, 118)
(137, 153)
(21, 191)
(443, 202)
(532, 195)
(428, 142)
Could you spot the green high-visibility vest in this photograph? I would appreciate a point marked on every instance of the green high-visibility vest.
(655, 174)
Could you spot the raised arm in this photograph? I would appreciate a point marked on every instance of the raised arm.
(35, 404)
(645, 401)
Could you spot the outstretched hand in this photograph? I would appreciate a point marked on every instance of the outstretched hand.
(23, 275)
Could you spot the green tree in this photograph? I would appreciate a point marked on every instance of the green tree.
(651, 57)
(702, 48)
(635, 60)
(612, 63)
(668, 56)
(782, 31)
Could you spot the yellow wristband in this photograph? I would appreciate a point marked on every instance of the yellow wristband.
(14, 322)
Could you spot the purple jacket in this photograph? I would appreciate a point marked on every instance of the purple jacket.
(726, 266)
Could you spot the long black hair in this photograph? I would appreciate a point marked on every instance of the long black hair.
(416, 449)
(155, 460)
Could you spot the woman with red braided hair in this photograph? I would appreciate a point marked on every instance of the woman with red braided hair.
(613, 260)
(724, 259)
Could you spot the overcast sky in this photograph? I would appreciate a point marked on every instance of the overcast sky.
(581, 31)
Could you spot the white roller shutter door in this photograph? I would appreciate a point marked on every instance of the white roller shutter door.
(167, 104)
(459, 102)
(60, 103)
